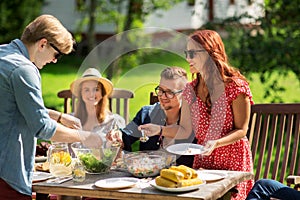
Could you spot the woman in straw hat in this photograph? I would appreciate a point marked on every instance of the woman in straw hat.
(92, 92)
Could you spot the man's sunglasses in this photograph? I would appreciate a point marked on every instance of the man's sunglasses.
(191, 53)
(59, 54)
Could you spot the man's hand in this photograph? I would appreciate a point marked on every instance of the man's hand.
(150, 129)
(70, 121)
(115, 137)
(90, 139)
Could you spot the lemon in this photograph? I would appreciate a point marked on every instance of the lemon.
(66, 159)
(79, 172)
(55, 158)
(61, 158)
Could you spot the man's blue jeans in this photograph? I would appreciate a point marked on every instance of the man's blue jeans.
(266, 188)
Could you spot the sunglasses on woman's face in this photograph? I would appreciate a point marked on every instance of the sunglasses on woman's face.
(191, 53)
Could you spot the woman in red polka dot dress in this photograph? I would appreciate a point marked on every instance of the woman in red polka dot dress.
(219, 100)
(216, 107)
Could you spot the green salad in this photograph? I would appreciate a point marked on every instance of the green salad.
(94, 165)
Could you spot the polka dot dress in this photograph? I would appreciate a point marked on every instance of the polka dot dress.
(218, 123)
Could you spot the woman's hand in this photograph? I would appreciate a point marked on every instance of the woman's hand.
(150, 129)
(70, 121)
(209, 147)
(115, 137)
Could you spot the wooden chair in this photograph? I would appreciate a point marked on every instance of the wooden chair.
(118, 101)
(274, 133)
(153, 98)
(68, 99)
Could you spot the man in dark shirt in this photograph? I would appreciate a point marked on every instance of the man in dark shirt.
(164, 112)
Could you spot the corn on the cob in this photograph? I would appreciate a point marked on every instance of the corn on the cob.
(186, 172)
(160, 181)
(194, 172)
(189, 182)
(172, 175)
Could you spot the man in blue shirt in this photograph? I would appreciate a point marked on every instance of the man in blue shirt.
(24, 117)
(165, 112)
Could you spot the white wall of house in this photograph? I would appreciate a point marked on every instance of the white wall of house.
(63, 10)
(180, 17)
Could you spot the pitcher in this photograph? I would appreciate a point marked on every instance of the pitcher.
(59, 159)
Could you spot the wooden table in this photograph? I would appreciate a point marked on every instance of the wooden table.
(142, 190)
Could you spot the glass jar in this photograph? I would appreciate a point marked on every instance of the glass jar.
(78, 172)
(60, 161)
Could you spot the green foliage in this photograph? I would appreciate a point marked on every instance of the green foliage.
(266, 52)
(271, 44)
(124, 15)
(142, 81)
(15, 15)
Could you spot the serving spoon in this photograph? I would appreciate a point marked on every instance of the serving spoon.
(144, 137)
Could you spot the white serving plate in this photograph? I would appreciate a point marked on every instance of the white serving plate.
(180, 189)
(185, 149)
(210, 176)
(41, 176)
(116, 183)
(40, 159)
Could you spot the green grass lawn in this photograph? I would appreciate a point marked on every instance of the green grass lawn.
(143, 79)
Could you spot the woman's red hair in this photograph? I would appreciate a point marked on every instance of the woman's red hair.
(211, 41)
(213, 44)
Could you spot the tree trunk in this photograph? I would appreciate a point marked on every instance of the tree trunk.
(134, 11)
(91, 25)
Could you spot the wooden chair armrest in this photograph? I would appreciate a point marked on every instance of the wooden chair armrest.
(294, 180)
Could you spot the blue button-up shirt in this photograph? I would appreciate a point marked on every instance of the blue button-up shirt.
(23, 116)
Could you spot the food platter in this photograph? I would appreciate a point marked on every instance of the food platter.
(180, 189)
(185, 149)
(116, 183)
(210, 176)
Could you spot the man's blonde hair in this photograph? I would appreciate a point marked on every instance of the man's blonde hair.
(175, 73)
(50, 28)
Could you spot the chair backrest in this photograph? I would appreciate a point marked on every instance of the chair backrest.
(153, 98)
(118, 101)
(274, 132)
(68, 99)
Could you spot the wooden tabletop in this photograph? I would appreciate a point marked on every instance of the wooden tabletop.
(143, 189)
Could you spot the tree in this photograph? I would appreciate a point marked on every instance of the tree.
(269, 45)
(124, 14)
(15, 15)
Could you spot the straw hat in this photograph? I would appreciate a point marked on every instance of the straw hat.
(88, 75)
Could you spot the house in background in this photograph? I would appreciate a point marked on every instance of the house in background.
(187, 15)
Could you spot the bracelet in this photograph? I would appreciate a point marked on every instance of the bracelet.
(160, 132)
(59, 118)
